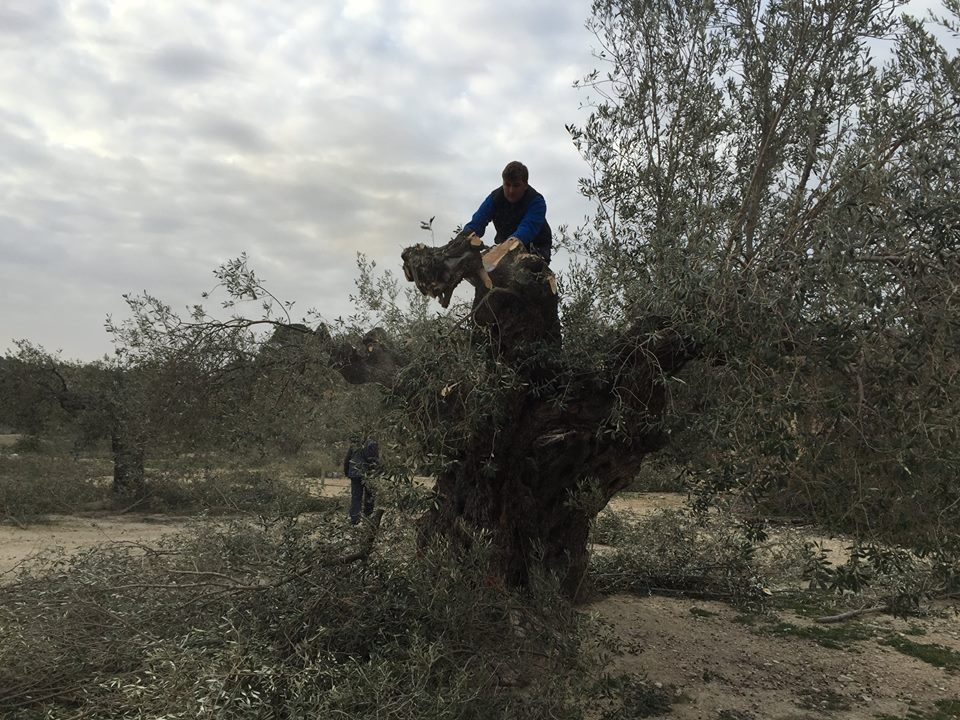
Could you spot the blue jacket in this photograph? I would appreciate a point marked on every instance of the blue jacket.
(525, 219)
(361, 459)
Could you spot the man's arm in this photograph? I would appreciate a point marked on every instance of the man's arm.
(482, 217)
(532, 221)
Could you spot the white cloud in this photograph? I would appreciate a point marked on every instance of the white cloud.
(144, 143)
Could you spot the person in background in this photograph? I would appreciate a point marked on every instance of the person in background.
(362, 460)
(516, 211)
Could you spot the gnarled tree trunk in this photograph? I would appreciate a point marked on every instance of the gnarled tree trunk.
(127, 436)
(519, 480)
(128, 445)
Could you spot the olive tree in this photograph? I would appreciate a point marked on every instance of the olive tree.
(782, 180)
(246, 376)
(100, 399)
(250, 382)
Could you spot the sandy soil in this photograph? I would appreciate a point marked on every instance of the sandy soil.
(724, 668)
(719, 667)
(73, 532)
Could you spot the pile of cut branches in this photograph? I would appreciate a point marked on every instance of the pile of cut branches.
(304, 617)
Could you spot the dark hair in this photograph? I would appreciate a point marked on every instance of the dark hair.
(516, 170)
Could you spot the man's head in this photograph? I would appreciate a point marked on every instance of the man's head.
(515, 177)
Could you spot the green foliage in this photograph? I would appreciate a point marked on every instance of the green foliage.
(932, 653)
(447, 392)
(612, 528)
(30, 380)
(232, 491)
(837, 637)
(255, 620)
(678, 553)
(842, 636)
(57, 481)
(659, 474)
(216, 381)
(631, 698)
(715, 555)
(34, 485)
(902, 581)
(379, 303)
(781, 195)
(191, 383)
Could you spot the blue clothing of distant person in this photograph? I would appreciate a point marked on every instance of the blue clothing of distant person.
(362, 459)
(516, 211)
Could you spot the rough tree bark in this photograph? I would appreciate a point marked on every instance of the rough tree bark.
(127, 438)
(128, 446)
(517, 481)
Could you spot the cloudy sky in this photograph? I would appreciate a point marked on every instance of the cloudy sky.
(142, 143)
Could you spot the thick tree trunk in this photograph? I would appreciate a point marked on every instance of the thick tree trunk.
(128, 469)
(537, 475)
(127, 436)
(129, 450)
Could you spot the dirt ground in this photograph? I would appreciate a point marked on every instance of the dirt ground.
(75, 532)
(721, 667)
(716, 663)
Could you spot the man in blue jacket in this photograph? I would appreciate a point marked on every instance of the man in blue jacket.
(362, 459)
(517, 211)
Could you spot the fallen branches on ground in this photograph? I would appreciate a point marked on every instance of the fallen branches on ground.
(311, 615)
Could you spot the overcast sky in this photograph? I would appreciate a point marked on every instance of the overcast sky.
(142, 143)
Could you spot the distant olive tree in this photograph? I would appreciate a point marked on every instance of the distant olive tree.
(27, 407)
(246, 376)
(97, 400)
(252, 382)
(782, 180)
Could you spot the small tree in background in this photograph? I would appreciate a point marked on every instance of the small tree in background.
(250, 382)
(29, 406)
(783, 181)
(101, 399)
(189, 383)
